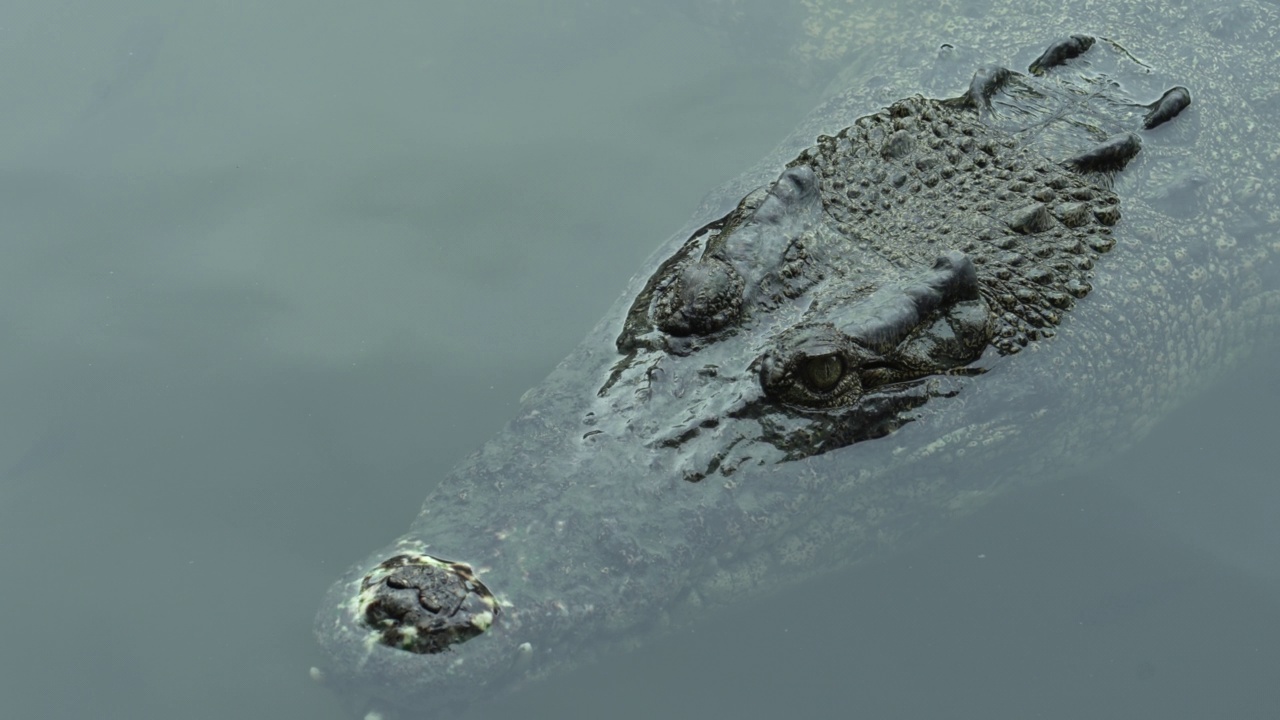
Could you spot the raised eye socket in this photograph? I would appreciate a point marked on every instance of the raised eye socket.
(822, 373)
(814, 366)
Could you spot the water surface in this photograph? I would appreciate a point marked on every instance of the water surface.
(270, 271)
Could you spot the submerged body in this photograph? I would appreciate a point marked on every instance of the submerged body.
(827, 363)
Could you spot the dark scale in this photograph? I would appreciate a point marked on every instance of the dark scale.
(1020, 195)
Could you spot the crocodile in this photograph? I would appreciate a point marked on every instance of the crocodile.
(898, 316)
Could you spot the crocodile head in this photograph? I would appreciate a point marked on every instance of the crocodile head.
(693, 448)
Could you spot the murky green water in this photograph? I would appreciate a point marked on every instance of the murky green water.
(269, 271)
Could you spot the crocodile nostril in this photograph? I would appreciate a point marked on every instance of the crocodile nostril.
(423, 604)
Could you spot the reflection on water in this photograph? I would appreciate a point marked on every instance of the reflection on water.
(270, 273)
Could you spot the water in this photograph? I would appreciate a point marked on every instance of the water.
(269, 273)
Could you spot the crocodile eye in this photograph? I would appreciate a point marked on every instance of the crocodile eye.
(822, 373)
(814, 366)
